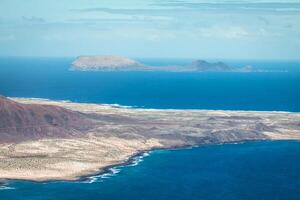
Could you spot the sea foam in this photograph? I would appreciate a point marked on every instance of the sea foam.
(6, 188)
(111, 172)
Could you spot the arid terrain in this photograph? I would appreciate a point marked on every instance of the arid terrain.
(111, 135)
(119, 63)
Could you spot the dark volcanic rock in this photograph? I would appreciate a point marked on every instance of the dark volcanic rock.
(19, 122)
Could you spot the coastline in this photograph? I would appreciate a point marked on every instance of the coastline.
(88, 177)
(128, 133)
(115, 105)
(131, 160)
(85, 176)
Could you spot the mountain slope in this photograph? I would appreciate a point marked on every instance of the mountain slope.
(19, 122)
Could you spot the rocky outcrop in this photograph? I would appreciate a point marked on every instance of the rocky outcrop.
(204, 66)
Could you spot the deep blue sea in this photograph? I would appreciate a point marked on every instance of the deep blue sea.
(253, 170)
(50, 78)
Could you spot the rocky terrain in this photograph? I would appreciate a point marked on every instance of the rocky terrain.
(117, 63)
(107, 136)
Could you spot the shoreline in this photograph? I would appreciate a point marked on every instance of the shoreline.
(123, 134)
(131, 159)
(115, 105)
(108, 169)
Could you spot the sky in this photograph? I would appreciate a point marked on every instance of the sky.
(233, 29)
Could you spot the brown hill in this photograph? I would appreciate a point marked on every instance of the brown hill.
(19, 122)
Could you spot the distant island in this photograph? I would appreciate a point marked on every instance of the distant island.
(118, 63)
(106, 63)
(204, 66)
(54, 140)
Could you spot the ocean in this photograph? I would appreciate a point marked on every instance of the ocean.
(51, 78)
(252, 170)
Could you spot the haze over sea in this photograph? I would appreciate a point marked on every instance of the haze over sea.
(254, 170)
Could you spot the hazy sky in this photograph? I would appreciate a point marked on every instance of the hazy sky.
(267, 29)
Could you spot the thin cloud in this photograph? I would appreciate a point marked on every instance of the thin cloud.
(246, 6)
(133, 19)
(176, 8)
(34, 19)
(124, 11)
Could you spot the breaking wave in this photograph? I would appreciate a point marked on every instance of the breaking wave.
(111, 172)
(6, 188)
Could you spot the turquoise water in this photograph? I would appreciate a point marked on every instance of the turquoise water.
(255, 170)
